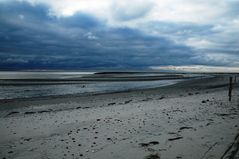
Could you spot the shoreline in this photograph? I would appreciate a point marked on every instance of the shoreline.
(34, 88)
(176, 85)
(88, 93)
(85, 80)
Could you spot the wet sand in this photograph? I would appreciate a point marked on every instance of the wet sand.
(191, 119)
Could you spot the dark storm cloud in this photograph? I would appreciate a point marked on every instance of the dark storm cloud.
(30, 38)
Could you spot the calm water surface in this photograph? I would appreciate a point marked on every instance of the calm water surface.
(27, 91)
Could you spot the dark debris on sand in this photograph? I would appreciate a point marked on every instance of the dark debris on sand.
(149, 144)
(152, 156)
(176, 138)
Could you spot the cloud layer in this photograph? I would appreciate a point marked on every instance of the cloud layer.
(113, 34)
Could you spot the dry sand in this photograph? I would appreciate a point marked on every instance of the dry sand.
(191, 120)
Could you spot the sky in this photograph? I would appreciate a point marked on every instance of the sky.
(119, 34)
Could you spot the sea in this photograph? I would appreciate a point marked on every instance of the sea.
(15, 84)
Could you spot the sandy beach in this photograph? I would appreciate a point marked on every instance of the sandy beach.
(192, 119)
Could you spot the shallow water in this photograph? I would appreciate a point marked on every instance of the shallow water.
(32, 86)
(41, 75)
(27, 91)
